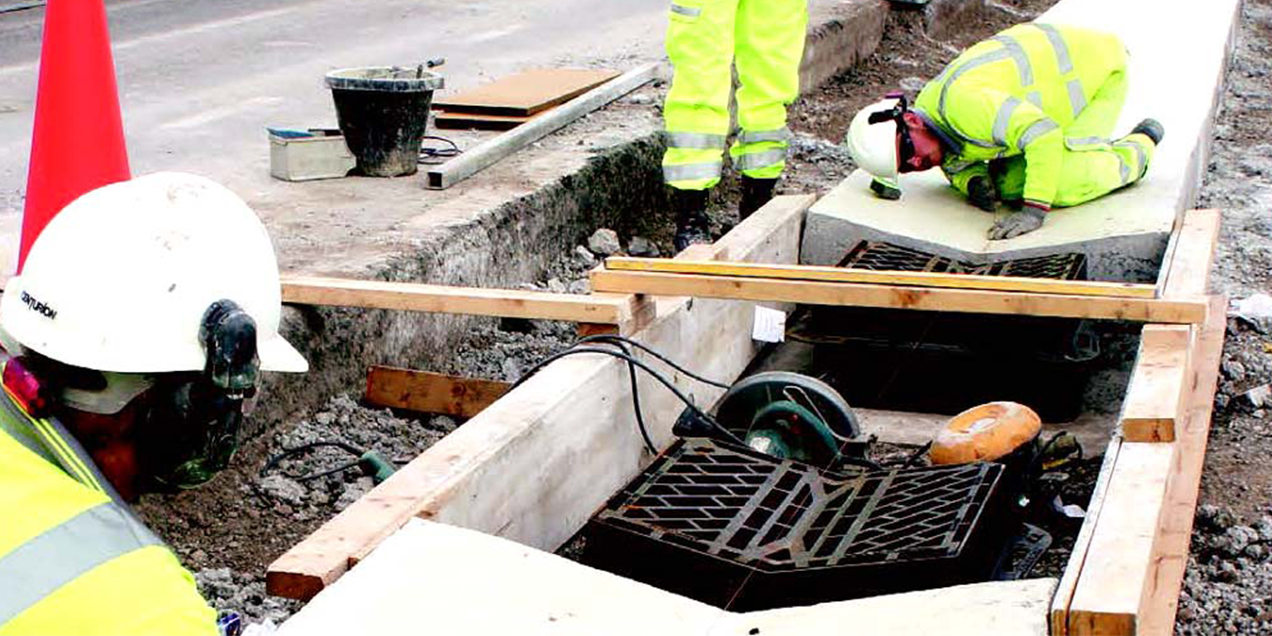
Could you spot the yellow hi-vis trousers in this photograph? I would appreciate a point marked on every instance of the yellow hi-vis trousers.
(764, 39)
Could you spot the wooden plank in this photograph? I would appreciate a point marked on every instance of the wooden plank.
(511, 303)
(1127, 566)
(484, 154)
(538, 462)
(428, 392)
(891, 296)
(1170, 552)
(851, 275)
(1155, 399)
(1081, 545)
(1116, 573)
(526, 93)
(1194, 253)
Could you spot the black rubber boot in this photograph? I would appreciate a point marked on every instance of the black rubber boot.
(1152, 129)
(690, 207)
(755, 193)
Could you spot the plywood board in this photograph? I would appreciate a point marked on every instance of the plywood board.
(474, 121)
(525, 93)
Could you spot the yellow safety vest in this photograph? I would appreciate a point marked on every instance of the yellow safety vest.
(72, 560)
(1016, 93)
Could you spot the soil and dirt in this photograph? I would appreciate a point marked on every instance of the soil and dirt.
(231, 529)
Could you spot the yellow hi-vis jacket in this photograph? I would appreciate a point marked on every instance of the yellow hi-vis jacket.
(73, 561)
(1049, 93)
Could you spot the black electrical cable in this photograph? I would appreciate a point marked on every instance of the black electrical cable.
(428, 155)
(289, 452)
(608, 337)
(631, 376)
(651, 371)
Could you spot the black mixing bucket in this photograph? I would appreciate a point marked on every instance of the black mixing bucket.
(383, 112)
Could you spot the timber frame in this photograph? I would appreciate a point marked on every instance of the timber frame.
(534, 463)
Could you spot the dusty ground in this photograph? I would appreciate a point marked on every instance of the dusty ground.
(231, 530)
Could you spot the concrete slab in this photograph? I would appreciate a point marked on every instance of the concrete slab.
(435, 578)
(1124, 234)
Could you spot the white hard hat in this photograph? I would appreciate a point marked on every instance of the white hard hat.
(874, 146)
(121, 278)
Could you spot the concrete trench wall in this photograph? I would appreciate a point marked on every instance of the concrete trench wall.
(621, 188)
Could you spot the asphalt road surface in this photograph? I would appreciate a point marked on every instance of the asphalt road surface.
(201, 79)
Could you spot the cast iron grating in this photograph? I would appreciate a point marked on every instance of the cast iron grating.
(878, 255)
(732, 503)
(726, 513)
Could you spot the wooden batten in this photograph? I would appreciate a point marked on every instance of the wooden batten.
(537, 463)
(1158, 392)
(427, 392)
(901, 278)
(612, 309)
(898, 297)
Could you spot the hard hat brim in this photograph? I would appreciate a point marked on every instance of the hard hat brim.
(278, 355)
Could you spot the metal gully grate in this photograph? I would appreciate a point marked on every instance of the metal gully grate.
(878, 255)
(725, 513)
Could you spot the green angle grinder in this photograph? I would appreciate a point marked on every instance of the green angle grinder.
(786, 415)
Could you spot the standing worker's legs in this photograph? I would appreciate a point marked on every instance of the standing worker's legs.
(696, 111)
(770, 45)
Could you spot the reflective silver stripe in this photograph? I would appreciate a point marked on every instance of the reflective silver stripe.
(1003, 119)
(1076, 98)
(1079, 142)
(695, 141)
(1035, 98)
(692, 171)
(691, 12)
(63, 553)
(756, 136)
(1063, 61)
(23, 436)
(757, 160)
(1017, 53)
(1139, 155)
(981, 60)
(1035, 130)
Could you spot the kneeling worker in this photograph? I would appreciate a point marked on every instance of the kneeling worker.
(1023, 117)
(133, 339)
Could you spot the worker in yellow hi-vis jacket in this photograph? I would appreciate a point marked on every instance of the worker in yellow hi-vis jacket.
(706, 39)
(1024, 117)
(132, 338)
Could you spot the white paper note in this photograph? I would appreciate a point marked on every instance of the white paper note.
(770, 325)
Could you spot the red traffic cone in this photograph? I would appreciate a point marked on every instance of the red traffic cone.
(78, 141)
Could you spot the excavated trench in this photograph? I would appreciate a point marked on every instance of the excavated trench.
(230, 530)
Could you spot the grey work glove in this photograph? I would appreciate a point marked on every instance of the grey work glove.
(1028, 219)
(980, 193)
